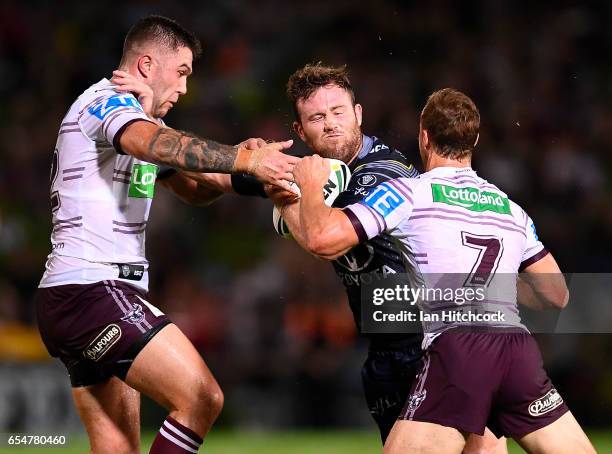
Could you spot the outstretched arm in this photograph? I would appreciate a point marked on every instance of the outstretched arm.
(182, 150)
(151, 142)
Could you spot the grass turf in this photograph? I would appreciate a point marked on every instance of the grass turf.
(297, 442)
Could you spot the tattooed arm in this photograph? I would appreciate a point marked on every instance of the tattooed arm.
(182, 150)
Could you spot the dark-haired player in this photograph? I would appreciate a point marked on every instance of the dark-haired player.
(477, 373)
(92, 306)
(328, 120)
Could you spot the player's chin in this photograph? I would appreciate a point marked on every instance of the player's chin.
(162, 111)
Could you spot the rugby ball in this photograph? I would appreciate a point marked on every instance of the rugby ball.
(338, 181)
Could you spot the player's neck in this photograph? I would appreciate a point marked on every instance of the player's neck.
(357, 150)
(434, 160)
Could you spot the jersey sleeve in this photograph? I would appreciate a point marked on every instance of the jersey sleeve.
(534, 249)
(106, 117)
(382, 210)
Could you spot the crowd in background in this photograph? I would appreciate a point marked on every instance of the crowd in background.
(272, 322)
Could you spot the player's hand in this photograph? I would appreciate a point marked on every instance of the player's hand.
(270, 165)
(127, 83)
(311, 170)
(253, 143)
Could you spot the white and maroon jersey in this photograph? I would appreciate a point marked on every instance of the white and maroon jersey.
(100, 197)
(454, 229)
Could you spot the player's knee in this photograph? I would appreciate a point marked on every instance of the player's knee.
(215, 400)
(205, 399)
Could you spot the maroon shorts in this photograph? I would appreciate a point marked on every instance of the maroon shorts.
(472, 380)
(96, 329)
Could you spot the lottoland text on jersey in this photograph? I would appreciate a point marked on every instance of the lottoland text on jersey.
(430, 303)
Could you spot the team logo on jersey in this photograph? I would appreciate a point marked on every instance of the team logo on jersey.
(357, 259)
(103, 342)
(416, 400)
(548, 402)
(142, 184)
(106, 106)
(384, 200)
(135, 316)
(471, 199)
(367, 180)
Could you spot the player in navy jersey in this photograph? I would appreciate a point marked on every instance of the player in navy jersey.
(329, 121)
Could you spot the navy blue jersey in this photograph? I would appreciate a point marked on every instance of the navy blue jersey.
(377, 257)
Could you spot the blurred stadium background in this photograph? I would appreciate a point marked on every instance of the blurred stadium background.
(273, 323)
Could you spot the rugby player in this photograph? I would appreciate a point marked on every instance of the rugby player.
(328, 120)
(92, 307)
(468, 379)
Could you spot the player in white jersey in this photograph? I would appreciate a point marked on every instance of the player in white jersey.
(92, 306)
(448, 221)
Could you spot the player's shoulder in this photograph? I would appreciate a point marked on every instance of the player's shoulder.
(102, 97)
(382, 159)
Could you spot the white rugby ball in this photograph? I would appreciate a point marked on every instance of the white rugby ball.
(338, 181)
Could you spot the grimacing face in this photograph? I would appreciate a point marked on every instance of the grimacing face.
(169, 73)
(329, 124)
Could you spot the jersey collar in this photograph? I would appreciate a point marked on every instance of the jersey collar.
(450, 171)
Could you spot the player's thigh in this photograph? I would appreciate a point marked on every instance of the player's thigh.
(485, 444)
(110, 412)
(564, 436)
(423, 438)
(171, 371)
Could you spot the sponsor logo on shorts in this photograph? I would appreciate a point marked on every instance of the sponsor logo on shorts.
(471, 199)
(416, 400)
(135, 316)
(101, 344)
(548, 402)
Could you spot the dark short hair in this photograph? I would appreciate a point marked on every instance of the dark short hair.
(452, 122)
(305, 81)
(161, 30)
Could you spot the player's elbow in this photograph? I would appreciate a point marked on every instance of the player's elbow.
(561, 299)
(319, 244)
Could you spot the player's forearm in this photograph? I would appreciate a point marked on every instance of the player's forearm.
(189, 190)
(220, 182)
(327, 232)
(182, 150)
(313, 213)
(291, 214)
(186, 151)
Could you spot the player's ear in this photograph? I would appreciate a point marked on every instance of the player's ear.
(145, 62)
(423, 136)
(358, 113)
(299, 130)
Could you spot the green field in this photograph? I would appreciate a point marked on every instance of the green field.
(303, 442)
